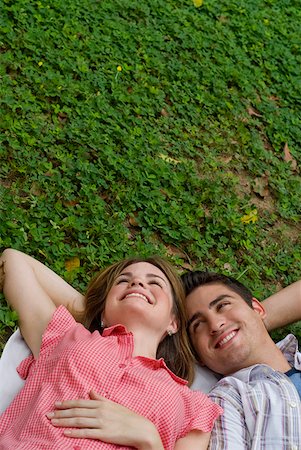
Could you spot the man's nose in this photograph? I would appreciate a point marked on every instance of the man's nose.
(216, 324)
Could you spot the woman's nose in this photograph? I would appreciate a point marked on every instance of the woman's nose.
(137, 282)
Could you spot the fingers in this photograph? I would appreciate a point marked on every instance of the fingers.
(77, 422)
(81, 403)
(87, 433)
(78, 413)
(72, 412)
(99, 418)
(67, 404)
(95, 396)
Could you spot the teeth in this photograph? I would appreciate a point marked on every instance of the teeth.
(227, 338)
(137, 295)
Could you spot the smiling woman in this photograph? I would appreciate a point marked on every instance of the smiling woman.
(125, 278)
(116, 390)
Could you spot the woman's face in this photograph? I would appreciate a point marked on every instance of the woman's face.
(141, 294)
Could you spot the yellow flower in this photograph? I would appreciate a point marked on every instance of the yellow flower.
(71, 264)
(119, 68)
(197, 3)
(250, 218)
(169, 159)
(40, 63)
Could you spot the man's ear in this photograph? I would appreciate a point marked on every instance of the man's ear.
(259, 308)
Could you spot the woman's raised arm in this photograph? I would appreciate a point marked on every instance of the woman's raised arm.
(34, 291)
(284, 307)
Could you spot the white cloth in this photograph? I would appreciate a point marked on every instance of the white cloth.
(204, 379)
(16, 350)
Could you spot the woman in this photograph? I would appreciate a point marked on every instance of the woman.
(70, 362)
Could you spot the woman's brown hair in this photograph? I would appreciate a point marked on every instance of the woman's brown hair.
(174, 349)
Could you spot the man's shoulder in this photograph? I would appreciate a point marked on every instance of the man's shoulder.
(227, 387)
(241, 382)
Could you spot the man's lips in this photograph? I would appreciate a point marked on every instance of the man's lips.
(138, 295)
(225, 338)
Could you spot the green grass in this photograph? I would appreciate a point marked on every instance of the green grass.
(167, 155)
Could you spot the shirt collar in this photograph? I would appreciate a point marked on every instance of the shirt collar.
(289, 347)
(115, 330)
(118, 330)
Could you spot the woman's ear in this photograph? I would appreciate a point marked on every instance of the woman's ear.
(259, 308)
(173, 325)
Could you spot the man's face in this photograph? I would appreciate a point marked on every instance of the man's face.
(225, 332)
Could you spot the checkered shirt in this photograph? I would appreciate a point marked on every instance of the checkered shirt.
(262, 408)
(69, 366)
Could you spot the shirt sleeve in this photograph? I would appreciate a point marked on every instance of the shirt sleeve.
(202, 412)
(230, 431)
(60, 323)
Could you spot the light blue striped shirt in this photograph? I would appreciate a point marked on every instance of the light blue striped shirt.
(262, 408)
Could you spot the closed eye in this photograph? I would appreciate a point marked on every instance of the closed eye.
(155, 282)
(196, 325)
(122, 280)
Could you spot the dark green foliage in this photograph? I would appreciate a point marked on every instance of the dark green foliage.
(165, 155)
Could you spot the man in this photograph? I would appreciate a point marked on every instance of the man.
(261, 388)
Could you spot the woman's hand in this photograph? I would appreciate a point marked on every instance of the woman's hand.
(34, 291)
(100, 418)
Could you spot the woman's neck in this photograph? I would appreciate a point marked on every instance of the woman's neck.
(145, 342)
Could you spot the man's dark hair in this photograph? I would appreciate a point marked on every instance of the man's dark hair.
(193, 280)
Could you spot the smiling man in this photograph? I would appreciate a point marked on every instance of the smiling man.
(261, 386)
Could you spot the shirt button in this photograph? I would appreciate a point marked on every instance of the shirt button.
(293, 404)
(122, 365)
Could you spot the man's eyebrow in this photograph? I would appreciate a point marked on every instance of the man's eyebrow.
(214, 302)
(218, 299)
(148, 275)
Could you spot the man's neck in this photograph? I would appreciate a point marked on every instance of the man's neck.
(277, 361)
(268, 354)
(272, 356)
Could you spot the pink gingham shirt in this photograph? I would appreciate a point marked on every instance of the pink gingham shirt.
(73, 361)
